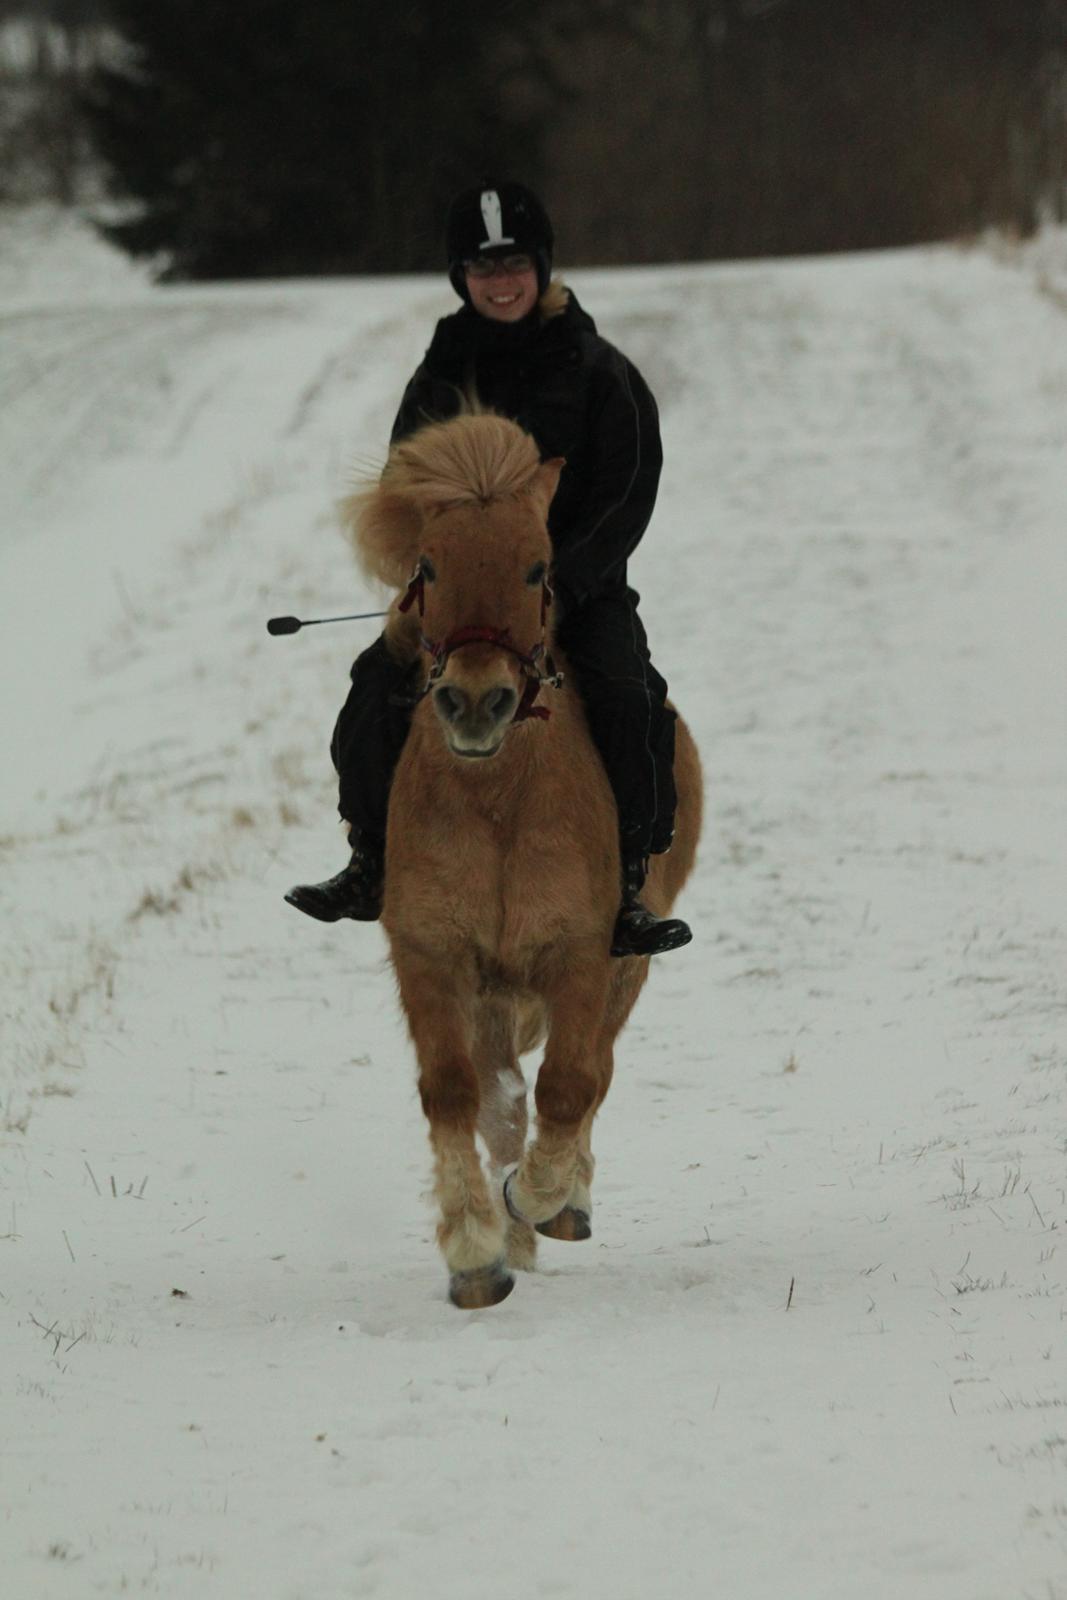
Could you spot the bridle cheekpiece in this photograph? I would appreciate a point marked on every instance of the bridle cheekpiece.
(530, 660)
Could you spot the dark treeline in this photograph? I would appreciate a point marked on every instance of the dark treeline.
(268, 137)
(816, 125)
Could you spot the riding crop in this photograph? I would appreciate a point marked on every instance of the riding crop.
(278, 625)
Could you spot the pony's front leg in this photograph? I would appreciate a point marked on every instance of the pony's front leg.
(574, 1222)
(470, 1230)
(502, 1113)
(569, 1087)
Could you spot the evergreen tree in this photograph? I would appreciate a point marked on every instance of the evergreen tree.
(266, 137)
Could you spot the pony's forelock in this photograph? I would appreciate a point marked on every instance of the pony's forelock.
(474, 458)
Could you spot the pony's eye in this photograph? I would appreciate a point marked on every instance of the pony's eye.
(536, 573)
(427, 568)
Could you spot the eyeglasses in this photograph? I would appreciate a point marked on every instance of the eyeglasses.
(486, 266)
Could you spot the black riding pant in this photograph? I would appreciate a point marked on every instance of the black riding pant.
(625, 704)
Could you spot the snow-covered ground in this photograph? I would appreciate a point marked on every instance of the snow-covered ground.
(817, 1347)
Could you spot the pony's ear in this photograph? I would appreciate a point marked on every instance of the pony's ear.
(385, 528)
(545, 482)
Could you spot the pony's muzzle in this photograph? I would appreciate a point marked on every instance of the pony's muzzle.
(475, 724)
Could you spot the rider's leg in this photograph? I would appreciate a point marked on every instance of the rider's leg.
(633, 730)
(366, 745)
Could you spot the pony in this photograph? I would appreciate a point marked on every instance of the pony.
(502, 858)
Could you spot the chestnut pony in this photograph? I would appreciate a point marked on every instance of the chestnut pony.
(502, 865)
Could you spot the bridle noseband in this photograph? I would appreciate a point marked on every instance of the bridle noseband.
(500, 637)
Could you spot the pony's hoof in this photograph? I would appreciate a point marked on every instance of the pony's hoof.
(480, 1286)
(570, 1224)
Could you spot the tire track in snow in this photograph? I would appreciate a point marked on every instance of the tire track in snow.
(81, 387)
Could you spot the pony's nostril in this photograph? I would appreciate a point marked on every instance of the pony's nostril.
(451, 703)
(500, 703)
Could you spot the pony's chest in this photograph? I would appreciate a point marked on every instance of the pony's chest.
(512, 865)
(495, 873)
(479, 885)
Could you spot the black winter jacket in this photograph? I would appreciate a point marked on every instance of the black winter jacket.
(580, 398)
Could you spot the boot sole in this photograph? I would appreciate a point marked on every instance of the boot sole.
(327, 914)
(659, 946)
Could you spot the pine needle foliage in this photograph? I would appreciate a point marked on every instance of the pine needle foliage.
(262, 138)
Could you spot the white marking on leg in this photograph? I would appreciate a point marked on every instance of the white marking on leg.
(471, 1230)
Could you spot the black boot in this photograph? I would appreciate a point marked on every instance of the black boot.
(638, 932)
(355, 892)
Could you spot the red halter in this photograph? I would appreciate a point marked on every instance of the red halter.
(501, 637)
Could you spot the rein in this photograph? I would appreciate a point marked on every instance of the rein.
(440, 651)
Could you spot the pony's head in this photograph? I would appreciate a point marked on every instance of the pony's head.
(460, 517)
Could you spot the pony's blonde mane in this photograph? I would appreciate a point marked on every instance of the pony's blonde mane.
(474, 458)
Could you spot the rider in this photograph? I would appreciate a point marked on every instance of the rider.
(526, 348)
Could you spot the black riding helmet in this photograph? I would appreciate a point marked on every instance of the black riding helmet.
(497, 221)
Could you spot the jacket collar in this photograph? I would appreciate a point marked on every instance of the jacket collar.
(558, 322)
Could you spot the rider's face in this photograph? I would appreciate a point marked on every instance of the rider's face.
(507, 296)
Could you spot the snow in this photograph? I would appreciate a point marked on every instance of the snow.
(816, 1345)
